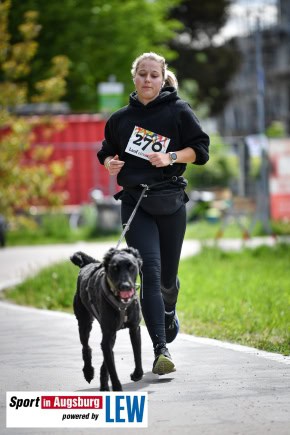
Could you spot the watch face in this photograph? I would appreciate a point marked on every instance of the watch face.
(173, 156)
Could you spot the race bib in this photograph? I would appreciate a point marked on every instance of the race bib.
(143, 142)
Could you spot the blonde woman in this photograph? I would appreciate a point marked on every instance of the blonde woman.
(149, 142)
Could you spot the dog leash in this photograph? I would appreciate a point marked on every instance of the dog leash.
(127, 226)
(145, 188)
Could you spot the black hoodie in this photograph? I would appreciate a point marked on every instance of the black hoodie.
(167, 116)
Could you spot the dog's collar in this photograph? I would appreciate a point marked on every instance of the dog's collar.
(118, 305)
(111, 294)
(111, 286)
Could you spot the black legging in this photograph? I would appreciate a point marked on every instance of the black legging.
(159, 241)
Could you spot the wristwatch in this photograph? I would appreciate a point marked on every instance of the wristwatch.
(173, 158)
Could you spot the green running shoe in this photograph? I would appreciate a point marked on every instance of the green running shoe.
(163, 363)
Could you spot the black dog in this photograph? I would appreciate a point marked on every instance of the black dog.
(106, 291)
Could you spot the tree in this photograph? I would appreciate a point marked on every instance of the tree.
(199, 58)
(100, 38)
(33, 183)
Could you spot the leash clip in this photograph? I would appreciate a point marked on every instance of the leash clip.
(145, 185)
(147, 188)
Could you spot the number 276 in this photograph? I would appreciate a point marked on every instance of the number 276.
(147, 140)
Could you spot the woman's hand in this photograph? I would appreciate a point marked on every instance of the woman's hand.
(186, 155)
(159, 159)
(114, 164)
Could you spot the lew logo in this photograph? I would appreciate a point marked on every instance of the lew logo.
(122, 409)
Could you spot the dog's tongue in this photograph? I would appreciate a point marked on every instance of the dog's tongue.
(126, 294)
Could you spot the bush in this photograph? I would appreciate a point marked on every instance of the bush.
(221, 168)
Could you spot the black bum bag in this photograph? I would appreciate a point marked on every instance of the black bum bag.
(162, 198)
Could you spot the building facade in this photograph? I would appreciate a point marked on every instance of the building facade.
(260, 92)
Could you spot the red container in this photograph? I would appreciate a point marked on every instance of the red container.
(78, 141)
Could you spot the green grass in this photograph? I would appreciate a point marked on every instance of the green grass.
(60, 232)
(203, 230)
(36, 237)
(55, 228)
(52, 288)
(240, 297)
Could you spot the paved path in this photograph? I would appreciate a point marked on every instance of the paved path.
(218, 389)
(16, 263)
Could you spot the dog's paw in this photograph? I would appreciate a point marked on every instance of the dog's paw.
(136, 375)
(104, 388)
(117, 387)
(89, 373)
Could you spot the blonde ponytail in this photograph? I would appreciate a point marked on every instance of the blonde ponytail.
(170, 79)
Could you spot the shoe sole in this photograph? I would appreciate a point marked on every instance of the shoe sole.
(163, 366)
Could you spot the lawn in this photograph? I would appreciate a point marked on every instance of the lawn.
(242, 297)
(55, 228)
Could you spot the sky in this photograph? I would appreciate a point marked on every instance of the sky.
(243, 16)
